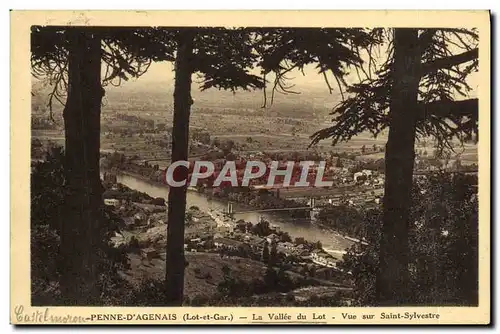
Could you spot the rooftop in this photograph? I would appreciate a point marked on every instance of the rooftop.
(227, 241)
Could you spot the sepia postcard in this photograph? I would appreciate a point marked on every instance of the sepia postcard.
(250, 167)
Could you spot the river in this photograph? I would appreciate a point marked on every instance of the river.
(295, 227)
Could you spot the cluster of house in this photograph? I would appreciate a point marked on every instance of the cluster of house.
(289, 248)
(230, 240)
(137, 214)
(232, 244)
(204, 241)
(321, 257)
(247, 243)
(339, 174)
(224, 224)
(219, 241)
(368, 177)
(251, 243)
(365, 177)
(199, 216)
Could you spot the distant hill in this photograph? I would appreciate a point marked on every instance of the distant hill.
(160, 97)
(135, 95)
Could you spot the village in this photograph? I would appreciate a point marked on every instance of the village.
(144, 228)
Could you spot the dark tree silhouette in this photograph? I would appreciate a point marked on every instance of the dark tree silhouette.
(273, 254)
(265, 253)
(180, 147)
(444, 222)
(223, 58)
(393, 278)
(82, 119)
(70, 58)
(413, 94)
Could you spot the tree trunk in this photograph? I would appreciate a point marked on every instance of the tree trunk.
(393, 277)
(180, 146)
(82, 129)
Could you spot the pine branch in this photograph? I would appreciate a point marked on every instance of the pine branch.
(451, 109)
(448, 62)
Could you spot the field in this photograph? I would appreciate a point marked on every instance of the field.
(208, 264)
(285, 126)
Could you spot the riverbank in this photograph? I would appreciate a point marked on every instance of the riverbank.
(245, 200)
(296, 227)
(134, 175)
(347, 237)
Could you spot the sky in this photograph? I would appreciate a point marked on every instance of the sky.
(161, 73)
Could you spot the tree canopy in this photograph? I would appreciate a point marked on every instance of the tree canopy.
(333, 50)
(446, 111)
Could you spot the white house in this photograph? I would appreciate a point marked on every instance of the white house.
(323, 258)
(228, 243)
(112, 202)
(139, 218)
(287, 245)
(368, 173)
(359, 176)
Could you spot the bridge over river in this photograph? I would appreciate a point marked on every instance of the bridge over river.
(296, 227)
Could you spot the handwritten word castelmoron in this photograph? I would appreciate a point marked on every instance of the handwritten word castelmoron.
(42, 316)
